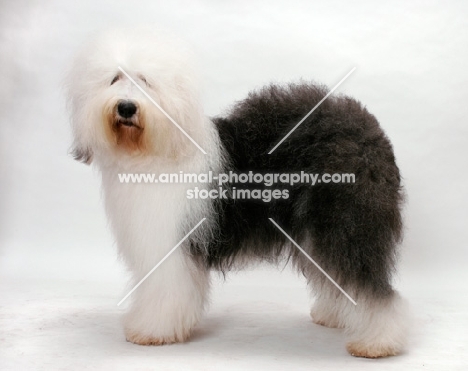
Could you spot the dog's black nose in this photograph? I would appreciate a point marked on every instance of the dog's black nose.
(126, 109)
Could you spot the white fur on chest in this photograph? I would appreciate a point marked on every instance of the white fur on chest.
(146, 219)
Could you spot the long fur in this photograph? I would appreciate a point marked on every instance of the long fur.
(351, 230)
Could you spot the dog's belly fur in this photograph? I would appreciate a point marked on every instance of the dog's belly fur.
(350, 229)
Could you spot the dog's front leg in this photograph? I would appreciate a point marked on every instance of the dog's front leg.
(168, 304)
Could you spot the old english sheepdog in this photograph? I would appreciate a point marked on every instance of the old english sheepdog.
(135, 109)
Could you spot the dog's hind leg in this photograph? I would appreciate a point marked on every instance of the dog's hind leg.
(354, 242)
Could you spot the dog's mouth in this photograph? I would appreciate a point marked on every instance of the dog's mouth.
(126, 123)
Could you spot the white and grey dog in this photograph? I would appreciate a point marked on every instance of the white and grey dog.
(351, 230)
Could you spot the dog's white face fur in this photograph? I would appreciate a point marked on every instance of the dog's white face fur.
(95, 86)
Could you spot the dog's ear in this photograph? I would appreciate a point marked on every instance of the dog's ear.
(84, 155)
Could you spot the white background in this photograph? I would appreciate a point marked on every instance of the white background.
(60, 278)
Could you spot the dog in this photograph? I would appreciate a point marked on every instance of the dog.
(135, 108)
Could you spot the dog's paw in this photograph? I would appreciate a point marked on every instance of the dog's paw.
(375, 350)
(145, 339)
(327, 319)
(326, 322)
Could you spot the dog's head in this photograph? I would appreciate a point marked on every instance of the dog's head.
(127, 92)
